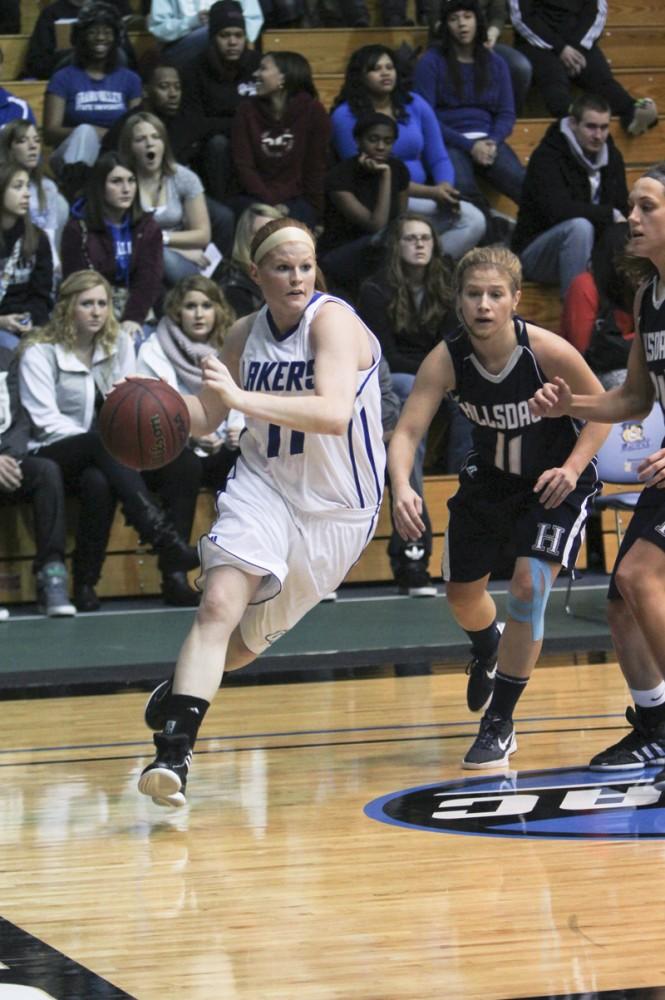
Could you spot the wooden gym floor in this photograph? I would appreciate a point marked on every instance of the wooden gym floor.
(332, 848)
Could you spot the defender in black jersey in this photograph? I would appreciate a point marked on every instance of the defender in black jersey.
(527, 480)
(636, 608)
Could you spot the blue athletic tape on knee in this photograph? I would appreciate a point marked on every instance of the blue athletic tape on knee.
(533, 611)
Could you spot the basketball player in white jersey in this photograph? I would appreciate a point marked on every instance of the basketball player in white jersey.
(636, 606)
(526, 481)
(303, 501)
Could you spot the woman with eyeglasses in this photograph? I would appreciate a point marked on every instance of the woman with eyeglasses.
(409, 305)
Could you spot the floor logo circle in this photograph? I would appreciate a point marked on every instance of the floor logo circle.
(562, 803)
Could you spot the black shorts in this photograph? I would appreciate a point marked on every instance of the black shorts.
(491, 508)
(648, 522)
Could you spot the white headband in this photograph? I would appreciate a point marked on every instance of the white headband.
(287, 234)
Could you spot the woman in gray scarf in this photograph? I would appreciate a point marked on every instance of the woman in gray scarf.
(195, 321)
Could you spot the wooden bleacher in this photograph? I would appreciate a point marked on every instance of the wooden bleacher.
(635, 44)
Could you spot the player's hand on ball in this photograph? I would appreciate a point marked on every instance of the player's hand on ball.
(407, 511)
(555, 485)
(652, 470)
(216, 376)
(552, 400)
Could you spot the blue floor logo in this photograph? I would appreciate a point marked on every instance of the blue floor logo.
(558, 804)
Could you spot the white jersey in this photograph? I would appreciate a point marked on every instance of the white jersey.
(315, 473)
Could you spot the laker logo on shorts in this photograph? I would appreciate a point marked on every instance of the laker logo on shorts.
(272, 637)
(548, 539)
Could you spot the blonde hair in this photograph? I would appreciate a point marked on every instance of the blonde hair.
(245, 230)
(61, 329)
(485, 257)
(224, 314)
(272, 227)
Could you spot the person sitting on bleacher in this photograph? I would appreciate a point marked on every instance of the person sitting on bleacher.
(196, 319)
(280, 139)
(85, 98)
(560, 41)
(363, 194)
(26, 262)
(172, 193)
(214, 85)
(110, 233)
(44, 55)
(575, 186)
(162, 97)
(469, 88)
(21, 143)
(39, 481)
(234, 278)
(373, 83)
(10, 17)
(13, 108)
(182, 25)
(409, 305)
(67, 368)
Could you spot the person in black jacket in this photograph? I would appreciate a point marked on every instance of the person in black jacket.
(575, 186)
(26, 261)
(25, 477)
(559, 38)
(214, 84)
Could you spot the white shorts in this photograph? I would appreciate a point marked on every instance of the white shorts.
(301, 557)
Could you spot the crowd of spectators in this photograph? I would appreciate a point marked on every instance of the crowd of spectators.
(125, 248)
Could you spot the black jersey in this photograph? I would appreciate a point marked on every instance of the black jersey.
(652, 332)
(506, 435)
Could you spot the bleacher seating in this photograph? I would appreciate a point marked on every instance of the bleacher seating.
(635, 44)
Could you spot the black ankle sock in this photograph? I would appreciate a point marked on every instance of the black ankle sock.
(185, 716)
(651, 716)
(484, 641)
(507, 692)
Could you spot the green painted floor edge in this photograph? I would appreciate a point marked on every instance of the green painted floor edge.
(119, 638)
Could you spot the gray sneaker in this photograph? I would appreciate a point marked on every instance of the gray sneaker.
(52, 597)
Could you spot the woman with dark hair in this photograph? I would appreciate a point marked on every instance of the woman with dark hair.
(109, 233)
(85, 98)
(196, 319)
(171, 193)
(21, 143)
(26, 263)
(66, 370)
(373, 83)
(469, 88)
(280, 138)
(597, 315)
(410, 307)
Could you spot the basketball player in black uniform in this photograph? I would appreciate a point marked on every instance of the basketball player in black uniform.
(636, 608)
(527, 480)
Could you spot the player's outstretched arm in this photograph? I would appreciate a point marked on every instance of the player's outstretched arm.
(435, 378)
(576, 377)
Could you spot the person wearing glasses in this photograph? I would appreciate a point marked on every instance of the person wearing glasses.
(409, 304)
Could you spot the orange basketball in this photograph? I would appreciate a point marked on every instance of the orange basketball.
(144, 423)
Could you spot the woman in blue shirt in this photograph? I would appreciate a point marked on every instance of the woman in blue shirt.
(86, 97)
(373, 83)
(469, 88)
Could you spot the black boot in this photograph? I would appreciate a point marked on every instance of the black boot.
(154, 527)
(177, 591)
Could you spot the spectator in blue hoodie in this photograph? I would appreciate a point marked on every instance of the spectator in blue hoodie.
(13, 107)
(469, 88)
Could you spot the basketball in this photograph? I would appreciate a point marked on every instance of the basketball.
(144, 423)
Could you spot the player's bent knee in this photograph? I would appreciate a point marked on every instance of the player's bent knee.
(529, 592)
(464, 595)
